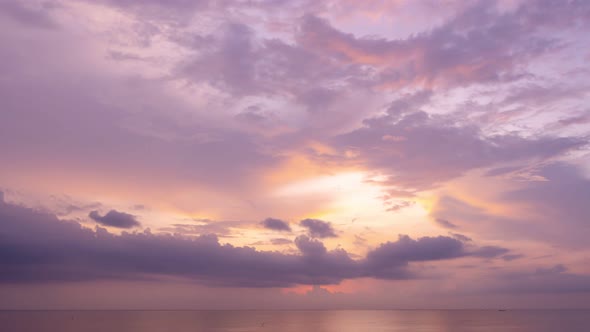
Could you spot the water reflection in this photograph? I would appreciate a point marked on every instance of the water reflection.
(296, 321)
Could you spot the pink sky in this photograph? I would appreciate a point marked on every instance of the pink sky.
(294, 154)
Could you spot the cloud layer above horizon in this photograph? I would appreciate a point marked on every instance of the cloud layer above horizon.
(439, 147)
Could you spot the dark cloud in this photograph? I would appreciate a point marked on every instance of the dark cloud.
(406, 249)
(310, 247)
(445, 223)
(390, 258)
(318, 228)
(36, 246)
(276, 225)
(461, 237)
(556, 269)
(115, 218)
(489, 252)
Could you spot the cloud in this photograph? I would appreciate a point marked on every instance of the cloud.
(461, 237)
(574, 120)
(445, 223)
(179, 11)
(390, 258)
(314, 70)
(221, 228)
(34, 241)
(496, 49)
(437, 148)
(551, 208)
(318, 228)
(281, 241)
(115, 218)
(113, 130)
(28, 14)
(478, 45)
(276, 224)
(550, 280)
(236, 60)
(406, 249)
(310, 247)
(490, 252)
(510, 258)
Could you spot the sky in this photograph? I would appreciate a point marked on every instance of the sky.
(294, 154)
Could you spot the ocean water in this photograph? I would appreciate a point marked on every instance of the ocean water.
(297, 321)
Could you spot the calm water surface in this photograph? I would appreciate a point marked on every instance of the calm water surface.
(297, 321)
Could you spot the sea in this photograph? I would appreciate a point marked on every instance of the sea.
(298, 321)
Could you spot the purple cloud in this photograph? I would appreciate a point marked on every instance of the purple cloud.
(494, 50)
(38, 247)
(276, 225)
(445, 223)
(490, 252)
(115, 218)
(550, 209)
(436, 149)
(318, 228)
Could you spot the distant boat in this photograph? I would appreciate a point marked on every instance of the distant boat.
(501, 309)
